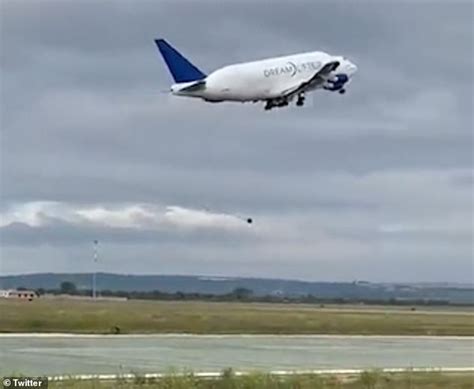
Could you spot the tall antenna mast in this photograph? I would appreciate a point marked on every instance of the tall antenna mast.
(94, 275)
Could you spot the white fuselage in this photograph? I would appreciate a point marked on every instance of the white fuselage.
(265, 79)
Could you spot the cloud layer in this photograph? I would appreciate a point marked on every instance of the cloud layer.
(138, 216)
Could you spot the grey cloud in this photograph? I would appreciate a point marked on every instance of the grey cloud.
(64, 234)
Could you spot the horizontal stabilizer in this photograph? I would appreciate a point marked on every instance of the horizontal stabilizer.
(197, 86)
(180, 68)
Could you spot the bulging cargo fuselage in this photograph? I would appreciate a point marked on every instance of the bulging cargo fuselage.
(274, 80)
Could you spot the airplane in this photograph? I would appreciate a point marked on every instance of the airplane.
(275, 81)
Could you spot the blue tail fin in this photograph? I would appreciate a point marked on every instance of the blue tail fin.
(181, 69)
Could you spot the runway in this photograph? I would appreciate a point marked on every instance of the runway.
(56, 354)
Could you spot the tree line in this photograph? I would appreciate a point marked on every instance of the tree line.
(238, 294)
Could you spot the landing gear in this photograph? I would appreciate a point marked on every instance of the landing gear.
(300, 101)
(275, 103)
(342, 91)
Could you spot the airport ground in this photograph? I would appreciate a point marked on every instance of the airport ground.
(366, 380)
(136, 316)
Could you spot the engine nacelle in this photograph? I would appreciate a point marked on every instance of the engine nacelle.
(337, 82)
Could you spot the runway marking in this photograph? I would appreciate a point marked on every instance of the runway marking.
(104, 377)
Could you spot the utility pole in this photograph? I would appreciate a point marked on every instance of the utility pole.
(94, 275)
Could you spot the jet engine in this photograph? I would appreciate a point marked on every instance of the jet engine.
(337, 82)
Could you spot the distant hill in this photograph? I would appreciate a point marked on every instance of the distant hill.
(260, 286)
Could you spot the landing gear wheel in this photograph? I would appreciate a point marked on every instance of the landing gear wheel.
(342, 91)
(269, 105)
(300, 101)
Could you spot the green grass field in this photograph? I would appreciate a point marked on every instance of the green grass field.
(86, 316)
(367, 380)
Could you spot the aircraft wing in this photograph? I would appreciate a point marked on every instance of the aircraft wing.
(317, 79)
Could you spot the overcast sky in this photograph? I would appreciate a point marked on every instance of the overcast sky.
(376, 184)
